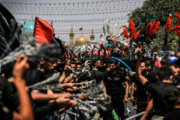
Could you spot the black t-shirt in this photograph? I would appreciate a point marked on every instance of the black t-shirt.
(114, 85)
(172, 115)
(159, 91)
(141, 91)
(177, 83)
(142, 94)
(68, 73)
(5, 113)
(97, 75)
(42, 110)
(9, 95)
(8, 100)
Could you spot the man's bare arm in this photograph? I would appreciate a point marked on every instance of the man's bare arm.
(139, 75)
(20, 69)
(104, 88)
(38, 96)
(132, 91)
(126, 91)
(148, 109)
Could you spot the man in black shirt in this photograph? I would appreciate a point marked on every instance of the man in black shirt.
(95, 73)
(5, 112)
(40, 100)
(142, 95)
(175, 66)
(23, 109)
(160, 89)
(114, 81)
(40, 73)
(173, 98)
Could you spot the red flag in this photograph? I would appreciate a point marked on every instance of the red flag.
(101, 46)
(132, 28)
(178, 17)
(151, 28)
(66, 57)
(43, 32)
(168, 24)
(174, 28)
(136, 34)
(110, 48)
(155, 28)
(125, 32)
(147, 28)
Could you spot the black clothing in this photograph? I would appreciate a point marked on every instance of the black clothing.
(42, 110)
(159, 92)
(5, 113)
(107, 115)
(141, 94)
(118, 106)
(9, 96)
(172, 115)
(113, 84)
(68, 73)
(9, 32)
(35, 76)
(8, 100)
(97, 75)
(177, 82)
(115, 89)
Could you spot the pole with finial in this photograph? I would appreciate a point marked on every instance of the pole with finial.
(92, 35)
(71, 35)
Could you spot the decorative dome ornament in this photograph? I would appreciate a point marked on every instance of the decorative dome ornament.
(28, 28)
(81, 40)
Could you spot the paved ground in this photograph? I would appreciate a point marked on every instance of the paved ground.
(129, 109)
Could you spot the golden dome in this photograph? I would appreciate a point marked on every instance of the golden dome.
(81, 40)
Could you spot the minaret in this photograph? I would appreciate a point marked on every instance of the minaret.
(71, 35)
(92, 35)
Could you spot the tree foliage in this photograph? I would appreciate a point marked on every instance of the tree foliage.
(155, 10)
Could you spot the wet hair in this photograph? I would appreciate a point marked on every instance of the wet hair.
(93, 62)
(7, 70)
(172, 97)
(164, 73)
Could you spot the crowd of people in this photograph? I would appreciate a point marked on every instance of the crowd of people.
(54, 88)
(155, 89)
